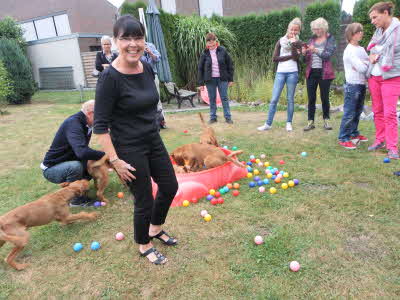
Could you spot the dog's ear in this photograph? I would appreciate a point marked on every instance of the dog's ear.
(65, 184)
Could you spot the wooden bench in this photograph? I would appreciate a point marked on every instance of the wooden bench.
(180, 94)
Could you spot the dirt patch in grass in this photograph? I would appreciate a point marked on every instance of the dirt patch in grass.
(365, 246)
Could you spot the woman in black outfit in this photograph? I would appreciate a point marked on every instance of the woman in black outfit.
(126, 104)
(105, 57)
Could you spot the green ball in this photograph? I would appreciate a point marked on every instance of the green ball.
(234, 148)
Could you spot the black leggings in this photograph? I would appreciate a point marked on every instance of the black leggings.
(151, 160)
(313, 81)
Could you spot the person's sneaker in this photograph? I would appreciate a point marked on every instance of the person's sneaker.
(310, 126)
(82, 201)
(289, 126)
(359, 138)
(348, 145)
(393, 154)
(376, 146)
(327, 126)
(229, 121)
(264, 127)
(212, 121)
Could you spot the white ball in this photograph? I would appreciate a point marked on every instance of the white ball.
(203, 213)
(260, 164)
(258, 240)
(262, 156)
(261, 189)
(294, 266)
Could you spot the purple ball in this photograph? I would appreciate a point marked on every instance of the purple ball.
(296, 181)
(257, 178)
(97, 204)
(210, 197)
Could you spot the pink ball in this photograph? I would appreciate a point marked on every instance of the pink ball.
(260, 164)
(258, 240)
(103, 204)
(261, 189)
(203, 213)
(294, 266)
(119, 236)
(262, 156)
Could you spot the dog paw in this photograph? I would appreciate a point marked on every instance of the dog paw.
(20, 267)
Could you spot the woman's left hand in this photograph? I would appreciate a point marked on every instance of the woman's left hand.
(230, 83)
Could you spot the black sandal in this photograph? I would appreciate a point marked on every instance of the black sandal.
(160, 257)
(169, 242)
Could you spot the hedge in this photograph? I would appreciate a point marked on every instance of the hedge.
(360, 15)
(132, 8)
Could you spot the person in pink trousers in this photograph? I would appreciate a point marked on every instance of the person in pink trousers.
(384, 76)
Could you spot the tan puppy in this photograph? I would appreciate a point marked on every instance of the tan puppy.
(51, 207)
(208, 134)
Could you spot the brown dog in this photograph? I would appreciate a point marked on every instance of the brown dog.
(198, 157)
(51, 207)
(98, 169)
(208, 134)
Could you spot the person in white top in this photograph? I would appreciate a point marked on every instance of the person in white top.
(356, 62)
(286, 55)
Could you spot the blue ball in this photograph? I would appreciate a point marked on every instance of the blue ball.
(77, 247)
(234, 148)
(249, 163)
(252, 157)
(386, 160)
(259, 183)
(257, 178)
(226, 189)
(252, 184)
(209, 197)
(249, 169)
(226, 147)
(97, 204)
(95, 246)
(304, 154)
(266, 181)
(281, 172)
(273, 177)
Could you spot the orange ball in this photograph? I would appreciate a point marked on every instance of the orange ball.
(236, 185)
(229, 185)
(120, 195)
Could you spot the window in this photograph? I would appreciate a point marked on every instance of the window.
(210, 7)
(46, 27)
(169, 6)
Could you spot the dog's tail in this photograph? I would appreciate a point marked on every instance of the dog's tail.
(235, 161)
(202, 119)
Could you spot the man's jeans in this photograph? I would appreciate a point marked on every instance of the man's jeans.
(354, 96)
(68, 171)
(282, 78)
(212, 95)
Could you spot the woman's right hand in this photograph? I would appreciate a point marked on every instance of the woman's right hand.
(124, 170)
(373, 58)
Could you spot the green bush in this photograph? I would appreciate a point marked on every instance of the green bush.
(9, 29)
(5, 87)
(360, 15)
(128, 8)
(19, 70)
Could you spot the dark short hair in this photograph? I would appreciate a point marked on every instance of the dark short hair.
(211, 37)
(128, 25)
(352, 29)
(380, 7)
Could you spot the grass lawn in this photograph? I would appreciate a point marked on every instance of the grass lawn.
(341, 223)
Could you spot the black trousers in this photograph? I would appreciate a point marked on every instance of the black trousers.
(313, 81)
(151, 160)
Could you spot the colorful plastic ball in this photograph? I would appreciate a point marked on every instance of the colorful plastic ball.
(270, 168)
(235, 193)
(226, 147)
(249, 175)
(281, 172)
(252, 184)
(294, 266)
(120, 195)
(257, 160)
(269, 175)
(119, 236)
(267, 171)
(284, 186)
(262, 156)
(209, 197)
(272, 190)
(257, 178)
(185, 131)
(296, 181)
(261, 189)
(236, 185)
(97, 204)
(77, 247)
(291, 183)
(214, 201)
(226, 189)
(234, 148)
(273, 177)
(203, 213)
(211, 192)
(220, 200)
(266, 164)
(103, 203)
(260, 164)
(386, 160)
(217, 194)
(260, 183)
(207, 218)
(194, 200)
(266, 181)
(279, 176)
(282, 162)
(185, 203)
(229, 185)
(249, 163)
(95, 246)
(277, 180)
(258, 240)
(252, 157)
(249, 169)
(276, 172)
(286, 174)
(304, 154)
(221, 191)
(253, 160)
(256, 172)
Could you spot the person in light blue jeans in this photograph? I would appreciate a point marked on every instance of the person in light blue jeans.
(286, 56)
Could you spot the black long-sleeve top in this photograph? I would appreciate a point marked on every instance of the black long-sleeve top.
(127, 105)
(71, 142)
(101, 60)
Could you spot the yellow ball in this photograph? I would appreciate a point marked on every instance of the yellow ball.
(284, 186)
(249, 175)
(256, 172)
(185, 203)
(266, 164)
(212, 192)
(269, 175)
(207, 218)
(258, 160)
(291, 183)
(272, 190)
(286, 174)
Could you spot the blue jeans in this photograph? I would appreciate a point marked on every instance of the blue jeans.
(354, 96)
(291, 79)
(212, 94)
(68, 171)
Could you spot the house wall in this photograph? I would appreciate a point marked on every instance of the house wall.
(84, 43)
(58, 53)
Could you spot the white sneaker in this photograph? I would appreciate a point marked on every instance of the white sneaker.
(264, 127)
(289, 126)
